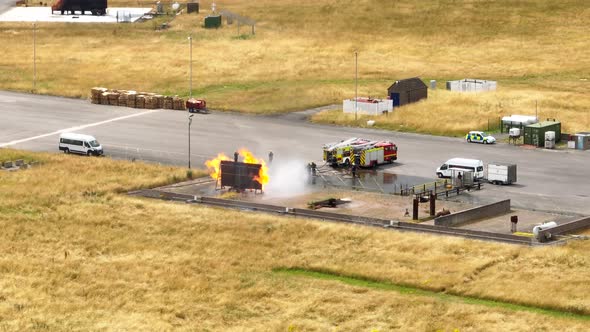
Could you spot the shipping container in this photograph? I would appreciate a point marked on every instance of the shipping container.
(534, 134)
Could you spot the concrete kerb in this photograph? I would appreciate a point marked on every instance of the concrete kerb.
(465, 216)
(572, 226)
(16, 165)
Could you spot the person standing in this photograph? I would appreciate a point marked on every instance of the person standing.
(236, 155)
(270, 156)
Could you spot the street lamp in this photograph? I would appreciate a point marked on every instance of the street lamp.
(34, 56)
(190, 42)
(190, 120)
(356, 84)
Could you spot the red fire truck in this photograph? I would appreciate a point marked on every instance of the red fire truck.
(362, 152)
(379, 153)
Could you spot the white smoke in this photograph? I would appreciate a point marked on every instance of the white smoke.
(287, 178)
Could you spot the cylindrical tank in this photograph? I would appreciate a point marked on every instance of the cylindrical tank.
(514, 132)
(550, 136)
(543, 227)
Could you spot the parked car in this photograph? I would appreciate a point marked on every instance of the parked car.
(479, 137)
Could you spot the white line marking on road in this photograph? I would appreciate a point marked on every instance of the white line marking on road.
(133, 149)
(76, 128)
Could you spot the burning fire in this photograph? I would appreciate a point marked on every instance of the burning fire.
(214, 165)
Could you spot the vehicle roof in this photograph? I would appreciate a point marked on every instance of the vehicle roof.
(464, 161)
(77, 136)
(501, 163)
(476, 132)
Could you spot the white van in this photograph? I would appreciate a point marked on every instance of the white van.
(474, 165)
(78, 143)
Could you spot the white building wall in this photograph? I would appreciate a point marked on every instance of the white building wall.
(471, 85)
(384, 105)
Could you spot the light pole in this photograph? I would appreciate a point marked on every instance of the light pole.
(356, 84)
(190, 42)
(190, 120)
(34, 56)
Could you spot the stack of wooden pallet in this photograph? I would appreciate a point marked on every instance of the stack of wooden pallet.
(123, 99)
(178, 103)
(96, 94)
(168, 102)
(140, 101)
(135, 99)
(131, 97)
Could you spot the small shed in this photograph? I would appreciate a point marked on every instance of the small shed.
(534, 134)
(407, 91)
(213, 21)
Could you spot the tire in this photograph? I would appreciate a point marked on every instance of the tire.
(485, 142)
(347, 162)
(89, 153)
(439, 175)
(469, 140)
(66, 151)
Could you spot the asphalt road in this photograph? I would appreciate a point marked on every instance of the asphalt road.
(547, 179)
(6, 5)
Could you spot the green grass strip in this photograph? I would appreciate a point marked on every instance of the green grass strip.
(411, 290)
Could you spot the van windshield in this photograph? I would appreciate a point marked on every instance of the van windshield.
(94, 144)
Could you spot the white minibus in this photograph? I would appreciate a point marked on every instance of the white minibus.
(78, 143)
(474, 165)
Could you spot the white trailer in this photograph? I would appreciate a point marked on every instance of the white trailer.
(501, 173)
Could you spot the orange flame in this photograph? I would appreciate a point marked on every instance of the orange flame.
(214, 165)
(249, 158)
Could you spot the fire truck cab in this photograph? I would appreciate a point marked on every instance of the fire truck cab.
(376, 154)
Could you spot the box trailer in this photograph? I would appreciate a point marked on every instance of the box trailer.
(501, 173)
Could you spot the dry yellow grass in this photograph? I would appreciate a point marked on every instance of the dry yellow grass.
(80, 255)
(302, 54)
(452, 113)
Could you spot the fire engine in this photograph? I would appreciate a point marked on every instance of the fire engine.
(360, 151)
(340, 153)
(375, 154)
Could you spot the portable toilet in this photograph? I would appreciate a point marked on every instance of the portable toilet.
(582, 141)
